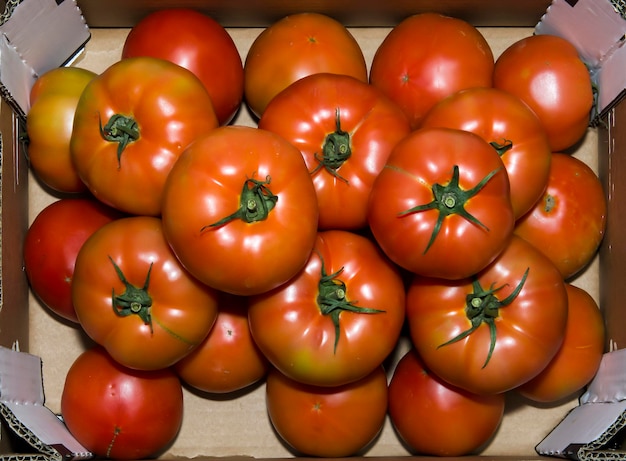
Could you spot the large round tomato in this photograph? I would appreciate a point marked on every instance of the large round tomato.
(578, 358)
(51, 244)
(296, 46)
(131, 124)
(568, 222)
(441, 206)
(132, 296)
(49, 122)
(435, 418)
(495, 331)
(240, 210)
(197, 42)
(511, 127)
(228, 360)
(119, 413)
(546, 72)
(338, 319)
(427, 57)
(328, 422)
(345, 130)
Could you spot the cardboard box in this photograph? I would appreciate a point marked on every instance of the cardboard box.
(238, 426)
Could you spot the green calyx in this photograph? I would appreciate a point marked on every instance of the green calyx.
(502, 147)
(332, 300)
(120, 129)
(450, 199)
(134, 301)
(483, 307)
(335, 151)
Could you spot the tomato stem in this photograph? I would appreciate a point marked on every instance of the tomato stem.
(120, 129)
(336, 150)
(134, 301)
(502, 147)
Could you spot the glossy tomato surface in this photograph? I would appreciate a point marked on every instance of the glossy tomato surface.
(569, 220)
(493, 332)
(118, 413)
(427, 57)
(345, 130)
(441, 206)
(293, 47)
(327, 422)
(133, 297)
(197, 42)
(240, 210)
(336, 320)
(131, 124)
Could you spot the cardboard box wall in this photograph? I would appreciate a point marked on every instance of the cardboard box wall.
(238, 426)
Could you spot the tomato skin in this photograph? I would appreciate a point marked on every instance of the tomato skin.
(568, 222)
(578, 358)
(171, 108)
(197, 42)
(546, 72)
(307, 112)
(205, 187)
(51, 245)
(327, 421)
(529, 329)
(49, 123)
(299, 339)
(427, 57)
(296, 46)
(434, 418)
(420, 161)
(182, 310)
(228, 360)
(502, 118)
(119, 413)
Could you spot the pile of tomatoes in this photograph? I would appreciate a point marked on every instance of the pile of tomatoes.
(432, 198)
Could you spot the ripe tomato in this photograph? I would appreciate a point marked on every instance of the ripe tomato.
(427, 57)
(294, 47)
(240, 210)
(131, 124)
(441, 206)
(51, 244)
(119, 413)
(327, 422)
(132, 296)
(568, 222)
(197, 42)
(546, 72)
(345, 129)
(49, 122)
(338, 319)
(578, 358)
(435, 418)
(511, 127)
(495, 331)
(228, 360)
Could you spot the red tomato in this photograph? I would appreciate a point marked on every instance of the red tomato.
(338, 319)
(493, 332)
(568, 222)
(578, 358)
(131, 124)
(132, 296)
(435, 418)
(327, 422)
(294, 47)
(546, 72)
(196, 42)
(427, 57)
(345, 130)
(441, 206)
(119, 413)
(228, 360)
(511, 127)
(51, 244)
(240, 210)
